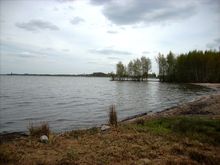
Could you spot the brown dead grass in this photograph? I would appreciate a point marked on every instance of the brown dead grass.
(122, 145)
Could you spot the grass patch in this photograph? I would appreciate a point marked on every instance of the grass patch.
(39, 130)
(199, 128)
(72, 154)
(76, 134)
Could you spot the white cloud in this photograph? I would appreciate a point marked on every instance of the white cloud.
(34, 25)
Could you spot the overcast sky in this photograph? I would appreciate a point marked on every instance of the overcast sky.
(85, 36)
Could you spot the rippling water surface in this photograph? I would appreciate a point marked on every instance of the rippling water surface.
(78, 102)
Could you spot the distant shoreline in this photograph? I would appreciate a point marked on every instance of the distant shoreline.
(95, 74)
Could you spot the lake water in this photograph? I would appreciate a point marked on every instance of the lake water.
(68, 103)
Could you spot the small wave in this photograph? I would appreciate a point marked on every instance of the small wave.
(66, 103)
(10, 122)
(4, 96)
(24, 103)
(61, 120)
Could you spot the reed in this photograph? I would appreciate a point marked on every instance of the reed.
(113, 116)
(36, 131)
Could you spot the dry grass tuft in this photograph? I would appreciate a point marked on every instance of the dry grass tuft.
(5, 155)
(140, 121)
(203, 158)
(37, 131)
(113, 116)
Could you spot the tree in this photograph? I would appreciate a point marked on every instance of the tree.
(120, 70)
(112, 76)
(137, 69)
(130, 69)
(194, 66)
(162, 63)
(145, 66)
(171, 62)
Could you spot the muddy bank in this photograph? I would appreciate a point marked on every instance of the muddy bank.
(215, 86)
(206, 105)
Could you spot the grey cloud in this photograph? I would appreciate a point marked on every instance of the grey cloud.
(21, 54)
(55, 9)
(26, 55)
(114, 58)
(92, 62)
(112, 32)
(109, 52)
(145, 52)
(25, 50)
(217, 40)
(36, 24)
(210, 45)
(100, 2)
(76, 20)
(63, 1)
(65, 50)
(214, 44)
(135, 11)
(47, 49)
(71, 8)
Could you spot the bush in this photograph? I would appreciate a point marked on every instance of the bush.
(37, 131)
(113, 116)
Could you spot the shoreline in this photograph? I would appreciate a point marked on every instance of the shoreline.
(203, 105)
(182, 107)
(184, 134)
(207, 105)
(171, 111)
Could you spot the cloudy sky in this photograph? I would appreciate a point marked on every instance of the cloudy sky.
(85, 36)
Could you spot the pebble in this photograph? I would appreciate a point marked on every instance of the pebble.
(44, 139)
(105, 127)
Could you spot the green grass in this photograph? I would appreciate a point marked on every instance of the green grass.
(198, 128)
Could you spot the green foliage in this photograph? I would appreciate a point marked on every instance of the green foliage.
(120, 70)
(161, 60)
(136, 69)
(202, 129)
(194, 66)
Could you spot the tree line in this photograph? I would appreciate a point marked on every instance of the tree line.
(136, 70)
(194, 66)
